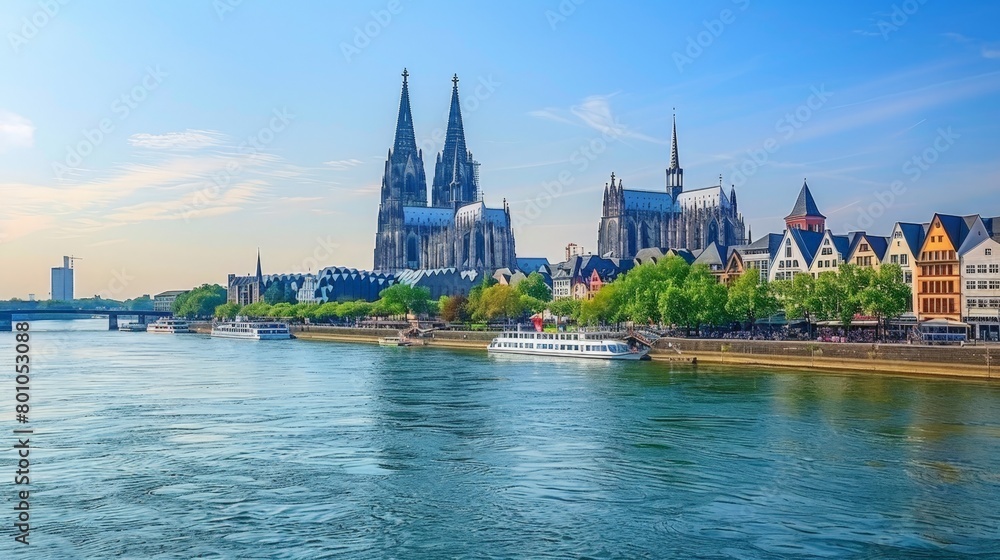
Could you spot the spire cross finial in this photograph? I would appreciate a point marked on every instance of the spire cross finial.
(454, 81)
(405, 74)
(612, 178)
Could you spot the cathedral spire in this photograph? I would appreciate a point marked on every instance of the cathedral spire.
(675, 161)
(259, 275)
(455, 135)
(675, 175)
(454, 173)
(405, 137)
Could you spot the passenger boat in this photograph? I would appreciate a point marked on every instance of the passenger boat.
(395, 341)
(133, 327)
(252, 330)
(595, 345)
(168, 325)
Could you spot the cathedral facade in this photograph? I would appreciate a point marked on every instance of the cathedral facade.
(633, 220)
(457, 229)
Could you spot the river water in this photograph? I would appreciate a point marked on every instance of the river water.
(159, 446)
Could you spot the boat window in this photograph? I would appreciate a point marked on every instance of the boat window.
(604, 348)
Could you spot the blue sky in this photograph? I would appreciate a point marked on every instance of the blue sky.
(229, 125)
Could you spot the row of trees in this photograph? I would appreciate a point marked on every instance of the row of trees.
(669, 292)
(673, 292)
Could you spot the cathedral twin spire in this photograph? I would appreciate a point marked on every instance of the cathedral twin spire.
(454, 172)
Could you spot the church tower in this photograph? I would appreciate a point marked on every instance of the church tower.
(805, 214)
(403, 184)
(675, 175)
(454, 171)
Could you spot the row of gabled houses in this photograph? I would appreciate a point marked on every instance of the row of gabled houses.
(951, 263)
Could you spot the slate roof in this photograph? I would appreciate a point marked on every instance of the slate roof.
(913, 234)
(805, 205)
(808, 243)
(879, 245)
(528, 265)
(478, 210)
(713, 255)
(771, 242)
(955, 227)
(425, 216)
(842, 244)
(650, 201)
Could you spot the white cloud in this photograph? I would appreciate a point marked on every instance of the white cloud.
(594, 112)
(187, 140)
(15, 131)
(343, 164)
(990, 52)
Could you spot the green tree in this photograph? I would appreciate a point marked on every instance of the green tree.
(402, 298)
(639, 290)
(828, 295)
(144, 303)
(453, 309)
(565, 307)
(707, 296)
(852, 279)
(327, 311)
(532, 304)
(200, 302)
(750, 298)
(227, 310)
(534, 285)
(798, 297)
(886, 295)
(676, 308)
(603, 308)
(500, 301)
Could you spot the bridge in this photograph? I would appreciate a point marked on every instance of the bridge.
(7, 316)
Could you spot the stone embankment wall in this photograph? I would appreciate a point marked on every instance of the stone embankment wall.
(969, 361)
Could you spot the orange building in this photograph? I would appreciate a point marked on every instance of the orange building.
(938, 275)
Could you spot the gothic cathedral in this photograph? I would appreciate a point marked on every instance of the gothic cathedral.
(637, 219)
(456, 230)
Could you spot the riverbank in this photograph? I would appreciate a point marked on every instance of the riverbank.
(979, 362)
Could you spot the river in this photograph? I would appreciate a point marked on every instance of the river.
(160, 446)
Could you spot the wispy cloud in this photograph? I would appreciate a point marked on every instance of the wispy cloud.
(343, 164)
(15, 131)
(187, 140)
(594, 112)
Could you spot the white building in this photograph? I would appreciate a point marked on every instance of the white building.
(164, 301)
(979, 256)
(833, 252)
(904, 245)
(796, 253)
(307, 292)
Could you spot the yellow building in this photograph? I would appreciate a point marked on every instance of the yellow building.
(868, 251)
(938, 275)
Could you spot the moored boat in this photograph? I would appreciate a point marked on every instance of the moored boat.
(133, 327)
(169, 325)
(595, 345)
(252, 330)
(395, 341)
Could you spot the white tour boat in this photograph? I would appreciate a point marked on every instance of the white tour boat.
(598, 345)
(252, 330)
(167, 325)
